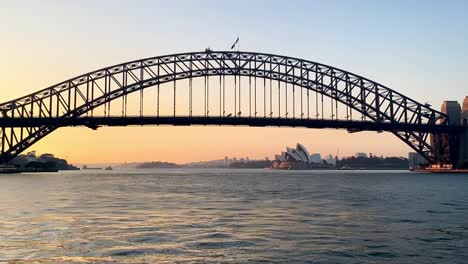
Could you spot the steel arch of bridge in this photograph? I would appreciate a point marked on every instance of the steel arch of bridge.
(66, 103)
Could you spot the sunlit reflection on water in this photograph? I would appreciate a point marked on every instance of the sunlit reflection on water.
(233, 216)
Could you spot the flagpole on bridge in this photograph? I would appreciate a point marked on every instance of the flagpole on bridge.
(236, 43)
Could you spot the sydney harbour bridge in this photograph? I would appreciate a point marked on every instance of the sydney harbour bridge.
(232, 88)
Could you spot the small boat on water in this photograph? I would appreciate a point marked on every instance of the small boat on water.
(108, 168)
(90, 168)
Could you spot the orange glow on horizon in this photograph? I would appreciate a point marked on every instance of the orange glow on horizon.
(200, 143)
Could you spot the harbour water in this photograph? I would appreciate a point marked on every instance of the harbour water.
(233, 216)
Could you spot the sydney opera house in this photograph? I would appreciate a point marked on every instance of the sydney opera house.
(298, 158)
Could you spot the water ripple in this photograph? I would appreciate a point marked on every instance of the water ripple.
(233, 216)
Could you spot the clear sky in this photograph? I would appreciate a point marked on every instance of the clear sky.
(419, 48)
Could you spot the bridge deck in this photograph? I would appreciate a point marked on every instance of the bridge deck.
(352, 125)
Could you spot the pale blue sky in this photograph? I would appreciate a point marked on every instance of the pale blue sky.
(416, 47)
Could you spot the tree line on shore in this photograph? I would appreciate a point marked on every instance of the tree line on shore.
(44, 162)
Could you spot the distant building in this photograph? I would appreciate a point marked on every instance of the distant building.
(456, 116)
(316, 157)
(360, 155)
(331, 160)
(281, 157)
(415, 160)
(454, 110)
(465, 112)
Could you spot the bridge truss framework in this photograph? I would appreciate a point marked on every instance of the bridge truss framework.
(28, 119)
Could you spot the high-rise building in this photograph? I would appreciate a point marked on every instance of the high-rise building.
(452, 109)
(441, 141)
(464, 140)
(446, 156)
(465, 111)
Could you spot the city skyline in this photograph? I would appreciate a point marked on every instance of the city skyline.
(315, 156)
(67, 45)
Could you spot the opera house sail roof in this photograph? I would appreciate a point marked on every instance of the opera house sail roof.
(298, 154)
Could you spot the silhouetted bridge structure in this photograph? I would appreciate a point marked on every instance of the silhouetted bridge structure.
(229, 88)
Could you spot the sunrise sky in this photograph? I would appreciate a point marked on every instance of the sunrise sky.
(417, 48)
